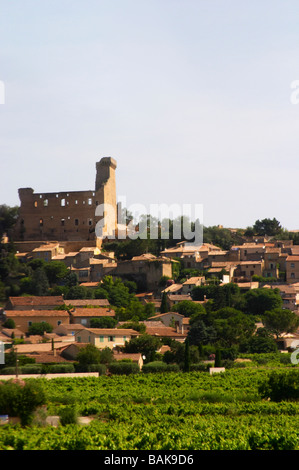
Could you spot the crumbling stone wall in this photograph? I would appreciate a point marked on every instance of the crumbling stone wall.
(67, 215)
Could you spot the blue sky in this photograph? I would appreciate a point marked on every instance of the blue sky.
(191, 97)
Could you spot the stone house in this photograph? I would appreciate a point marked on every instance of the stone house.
(48, 252)
(84, 315)
(23, 319)
(272, 259)
(247, 269)
(192, 282)
(292, 268)
(172, 319)
(105, 337)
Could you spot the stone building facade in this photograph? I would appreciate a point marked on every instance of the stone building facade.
(69, 215)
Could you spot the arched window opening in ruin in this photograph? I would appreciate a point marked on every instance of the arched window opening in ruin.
(62, 202)
(90, 201)
(76, 222)
(35, 203)
(46, 202)
(41, 222)
(62, 222)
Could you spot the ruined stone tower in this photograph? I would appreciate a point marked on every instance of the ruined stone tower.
(68, 215)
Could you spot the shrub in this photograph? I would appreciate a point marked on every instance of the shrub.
(200, 367)
(61, 368)
(21, 399)
(32, 369)
(123, 368)
(100, 368)
(159, 366)
(68, 415)
(281, 386)
(8, 371)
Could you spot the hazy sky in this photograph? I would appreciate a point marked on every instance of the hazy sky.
(191, 97)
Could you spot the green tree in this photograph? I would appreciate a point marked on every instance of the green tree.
(9, 323)
(261, 342)
(20, 399)
(40, 284)
(281, 386)
(188, 308)
(164, 308)
(8, 218)
(267, 226)
(56, 271)
(258, 301)
(145, 344)
(39, 328)
(280, 320)
(90, 354)
(187, 356)
(103, 322)
(218, 361)
(76, 292)
(232, 326)
(202, 334)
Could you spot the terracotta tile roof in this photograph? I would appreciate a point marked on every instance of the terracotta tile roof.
(113, 331)
(243, 263)
(119, 356)
(166, 331)
(145, 256)
(293, 258)
(37, 300)
(46, 247)
(48, 357)
(93, 312)
(89, 284)
(38, 347)
(9, 331)
(173, 288)
(159, 315)
(36, 313)
(86, 302)
(175, 298)
(193, 280)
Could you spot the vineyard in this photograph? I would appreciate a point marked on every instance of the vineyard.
(170, 411)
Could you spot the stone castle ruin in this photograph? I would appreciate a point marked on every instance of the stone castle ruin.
(70, 215)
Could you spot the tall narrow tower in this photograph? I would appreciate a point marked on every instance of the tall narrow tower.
(106, 193)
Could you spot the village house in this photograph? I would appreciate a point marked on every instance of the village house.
(172, 319)
(272, 258)
(23, 319)
(250, 251)
(174, 299)
(247, 269)
(292, 268)
(84, 315)
(192, 282)
(166, 332)
(47, 252)
(68, 329)
(105, 337)
(221, 268)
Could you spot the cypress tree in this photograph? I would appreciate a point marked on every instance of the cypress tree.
(187, 356)
(218, 358)
(164, 304)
